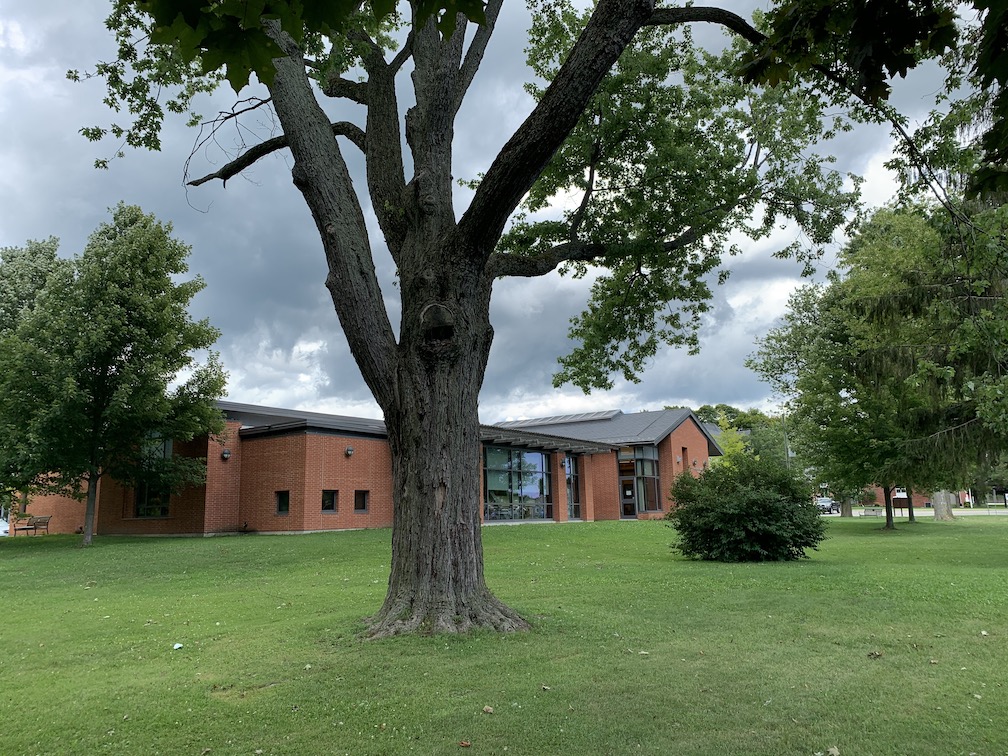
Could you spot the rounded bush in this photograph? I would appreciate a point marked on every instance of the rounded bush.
(746, 510)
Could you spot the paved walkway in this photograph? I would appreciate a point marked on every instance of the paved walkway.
(980, 511)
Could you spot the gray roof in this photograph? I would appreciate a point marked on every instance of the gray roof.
(618, 428)
(264, 421)
(256, 420)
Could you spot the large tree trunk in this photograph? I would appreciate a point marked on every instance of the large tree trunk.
(941, 502)
(436, 581)
(889, 520)
(910, 506)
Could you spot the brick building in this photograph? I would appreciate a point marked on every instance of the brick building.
(277, 470)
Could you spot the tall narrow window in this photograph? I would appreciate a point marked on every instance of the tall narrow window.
(330, 501)
(360, 501)
(646, 462)
(571, 464)
(282, 502)
(150, 496)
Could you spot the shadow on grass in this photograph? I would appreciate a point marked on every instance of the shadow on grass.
(855, 527)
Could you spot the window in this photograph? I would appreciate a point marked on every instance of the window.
(330, 501)
(283, 502)
(516, 484)
(572, 463)
(639, 481)
(360, 501)
(150, 500)
(151, 497)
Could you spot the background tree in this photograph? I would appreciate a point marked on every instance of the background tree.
(663, 174)
(23, 273)
(100, 375)
(764, 436)
(898, 362)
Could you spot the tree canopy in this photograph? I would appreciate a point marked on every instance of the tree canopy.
(100, 375)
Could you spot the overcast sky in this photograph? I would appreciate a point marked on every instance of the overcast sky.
(255, 243)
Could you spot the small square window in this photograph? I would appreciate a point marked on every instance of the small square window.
(283, 502)
(360, 501)
(330, 501)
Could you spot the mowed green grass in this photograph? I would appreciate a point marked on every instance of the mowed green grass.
(881, 643)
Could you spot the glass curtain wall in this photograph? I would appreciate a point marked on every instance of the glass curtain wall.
(516, 484)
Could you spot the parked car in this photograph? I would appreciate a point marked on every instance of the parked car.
(826, 505)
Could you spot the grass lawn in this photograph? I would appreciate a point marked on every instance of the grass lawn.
(881, 643)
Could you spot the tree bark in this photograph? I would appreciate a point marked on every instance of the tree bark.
(910, 507)
(436, 582)
(941, 502)
(889, 520)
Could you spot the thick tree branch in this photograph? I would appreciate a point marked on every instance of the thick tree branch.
(386, 180)
(404, 54)
(503, 265)
(351, 131)
(611, 28)
(322, 176)
(430, 133)
(474, 55)
(337, 86)
(696, 14)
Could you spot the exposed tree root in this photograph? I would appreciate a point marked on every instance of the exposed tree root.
(401, 616)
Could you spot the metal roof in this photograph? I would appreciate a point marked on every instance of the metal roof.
(618, 428)
(257, 420)
(265, 421)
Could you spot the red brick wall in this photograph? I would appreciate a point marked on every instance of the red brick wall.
(558, 479)
(327, 467)
(223, 484)
(67, 514)
(588, 487)
(117, 507)
(271, 464)
(688, 436)
(305, 465)
(605, 485)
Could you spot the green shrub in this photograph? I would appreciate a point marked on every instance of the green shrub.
(748, 510)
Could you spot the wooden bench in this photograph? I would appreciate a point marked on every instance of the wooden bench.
(33, 523)
(873, 512)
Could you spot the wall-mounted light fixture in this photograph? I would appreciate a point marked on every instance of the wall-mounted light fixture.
(678, 458)
(225, 454)
(694, 463)
(348, 451)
